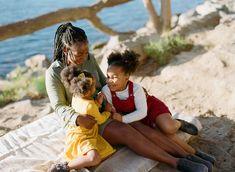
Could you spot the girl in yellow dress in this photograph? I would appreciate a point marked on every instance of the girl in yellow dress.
(84, 147)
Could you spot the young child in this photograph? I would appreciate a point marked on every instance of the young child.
(132, 104)
(84, 147)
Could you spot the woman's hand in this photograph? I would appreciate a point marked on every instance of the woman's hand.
(100, 98)
(117, 116)
(86, 121)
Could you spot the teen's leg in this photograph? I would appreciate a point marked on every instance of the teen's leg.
(157, 137)
(170, 126)
(167, 124)
(120, 133)
(92, 158)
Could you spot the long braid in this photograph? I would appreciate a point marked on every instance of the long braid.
(65, 36)
(58, 44)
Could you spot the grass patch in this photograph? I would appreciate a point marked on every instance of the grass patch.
(7, 96)
(23, 86)
(164, 49)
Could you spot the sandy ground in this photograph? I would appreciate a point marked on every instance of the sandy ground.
(200, 83)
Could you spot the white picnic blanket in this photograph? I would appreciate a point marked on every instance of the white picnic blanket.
(34, 147)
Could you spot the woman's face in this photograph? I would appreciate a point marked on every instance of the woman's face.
(116, 78)
(77, 53)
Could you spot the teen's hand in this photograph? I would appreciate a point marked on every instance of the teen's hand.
(117, 116)
(108, 107)
(86, 121)
(113, 110)
(100, 98)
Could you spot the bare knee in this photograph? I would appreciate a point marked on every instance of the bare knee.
(94, 158)
(166, 124)
(169, 129)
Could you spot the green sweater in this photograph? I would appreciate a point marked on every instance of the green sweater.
(60, 96)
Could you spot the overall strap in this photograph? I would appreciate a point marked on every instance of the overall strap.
(130, 89)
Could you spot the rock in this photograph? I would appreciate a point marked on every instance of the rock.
(174, 21)
(186, 18)
(18, 71)
(207, 8)
(34, 66)
(198, 23)
(121, 43)
(205, 16)
(148, 27)
(38, 61)
(231, 6)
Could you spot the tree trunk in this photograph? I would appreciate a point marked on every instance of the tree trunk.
(166, 15)
(154, 18)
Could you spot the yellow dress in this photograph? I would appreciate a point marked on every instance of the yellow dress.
(80, 140)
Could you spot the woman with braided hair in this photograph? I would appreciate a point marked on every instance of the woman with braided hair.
(71, 48)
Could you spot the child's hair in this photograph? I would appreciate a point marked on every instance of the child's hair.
(79, 82)
(65, 36)
(128, 60)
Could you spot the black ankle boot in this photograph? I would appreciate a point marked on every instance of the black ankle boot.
(188, 127)
(205, 156)
(186, 165)
(197, 159)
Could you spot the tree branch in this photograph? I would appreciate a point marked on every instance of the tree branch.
(68, 14)
(154, 18)
(96, 22)
(108, 3)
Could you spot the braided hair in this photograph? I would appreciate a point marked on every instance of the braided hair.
(128, 60)
(65, 36)
(78, 86)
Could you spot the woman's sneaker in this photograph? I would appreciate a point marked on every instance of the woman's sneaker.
(61, 167)
(186, 165)
(197, 159)
(205, 156)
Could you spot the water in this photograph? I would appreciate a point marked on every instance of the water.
(126, 17)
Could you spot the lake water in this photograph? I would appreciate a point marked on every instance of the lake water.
(125, 17)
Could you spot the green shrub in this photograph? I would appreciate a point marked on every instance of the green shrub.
(165, 48)
(22, 86)
(37, 88)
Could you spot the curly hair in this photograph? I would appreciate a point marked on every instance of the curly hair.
(128, 60)
(78, 86)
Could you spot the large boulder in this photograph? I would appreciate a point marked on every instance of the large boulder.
(38, 61)
(34, 66)
(209, 7)
(204, 16)
(134, 42)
